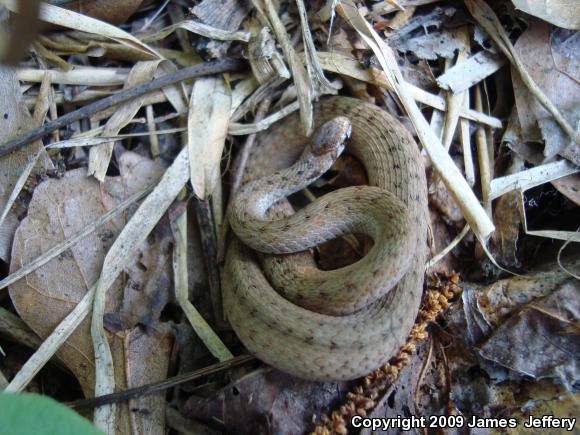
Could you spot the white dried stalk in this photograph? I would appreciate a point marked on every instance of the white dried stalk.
(82, 76)
(532, 177)
(466, 145)
(455, 100)
(484, 158)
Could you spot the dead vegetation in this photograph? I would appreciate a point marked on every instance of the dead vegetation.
(120, 123)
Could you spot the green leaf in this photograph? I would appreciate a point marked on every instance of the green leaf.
(33, 414)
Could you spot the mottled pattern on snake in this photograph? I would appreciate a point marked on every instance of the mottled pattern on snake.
(354, 320)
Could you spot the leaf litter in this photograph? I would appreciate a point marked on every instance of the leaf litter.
(492, 97)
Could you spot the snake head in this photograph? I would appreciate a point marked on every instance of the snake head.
(331, 136)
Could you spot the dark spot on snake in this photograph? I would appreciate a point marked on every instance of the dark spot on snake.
(286, 227)
(333, 345)
(327, 206)
(396, 166)
(308, 340)
(376, 272)
(300, 172)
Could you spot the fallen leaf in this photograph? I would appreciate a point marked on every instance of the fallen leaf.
(562, 13)
(524, 326)
(266, 401)
(541, 341)
(14, 120)
(113, 11)
(507, 221)
(552, 60)
(140, 342)
(569, 187)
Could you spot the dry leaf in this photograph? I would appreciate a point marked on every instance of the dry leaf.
(14, 120)
(562, 13)
(59, 208)
(552, 60)
(506, 217)
(569, 187)
(113, 11)
(541, 340)
(266, 401)
(207, 125)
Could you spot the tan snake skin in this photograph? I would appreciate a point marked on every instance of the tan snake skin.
(344, 323)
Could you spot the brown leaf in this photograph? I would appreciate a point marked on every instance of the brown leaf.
(562, 13)
(507, 229)
(541, 341)
(551, 58)
(140, 342)
(113, 11)
(266, 401)
(527, 324)
(14, 120)
(569, 187)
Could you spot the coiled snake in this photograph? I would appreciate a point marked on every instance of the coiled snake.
(343, 323)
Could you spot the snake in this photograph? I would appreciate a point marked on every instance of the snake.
(327, 325)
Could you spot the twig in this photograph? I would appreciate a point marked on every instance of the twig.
(209, 245)
(155, 387)
(206, 68)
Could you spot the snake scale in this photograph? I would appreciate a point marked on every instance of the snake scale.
(338, 324)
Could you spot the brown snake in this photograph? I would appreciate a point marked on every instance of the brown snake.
(338, 324)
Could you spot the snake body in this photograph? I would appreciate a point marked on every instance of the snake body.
(338, 324)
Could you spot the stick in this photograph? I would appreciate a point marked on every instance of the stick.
(202, 69)
(159, 386)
